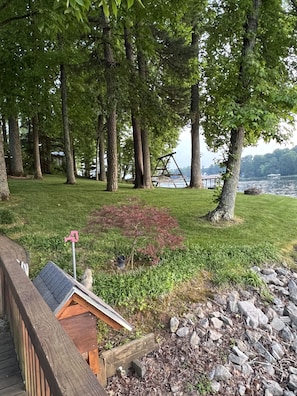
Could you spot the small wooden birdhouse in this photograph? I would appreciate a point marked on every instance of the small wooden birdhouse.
(77, 309)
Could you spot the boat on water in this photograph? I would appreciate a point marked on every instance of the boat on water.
(273, 176)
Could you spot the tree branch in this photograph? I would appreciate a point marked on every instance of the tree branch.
(17, 18)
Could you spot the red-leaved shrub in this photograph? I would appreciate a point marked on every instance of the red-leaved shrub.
(150, 229)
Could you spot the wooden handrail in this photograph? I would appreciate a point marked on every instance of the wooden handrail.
(49, 361)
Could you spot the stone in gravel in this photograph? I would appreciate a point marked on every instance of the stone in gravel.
(200, 312)
(174, 388)
(291, 311)
(215, 314)
(270, 313)
(277, 350)
(238, 352)
(293, 291)
(194, 340)
(174, 323)
(215, 386)
(216, 323)
(268, 393)
(245, 295)
(273, 387)
(239, 360)
(294, 345)
(282, 271)
(200, 333)
(232, 301)
(254, 316)
(183, 332)
(292, 382)
(214, 335)
(277, 324)
(241, 390)
(285, 319)
(269, 369)
(220, 373)
(204, 323)
(281, 290)
(272, 279)
(292, 370)
(277, 301)
(247, 370)
(191, 318)
(226, 320)
(289, 393)
(253, 335)
(263, 352)
(221, 300)
(268, 271)
(242, 345)
(287, 334)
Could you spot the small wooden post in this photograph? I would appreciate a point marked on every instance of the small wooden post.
(73, 238)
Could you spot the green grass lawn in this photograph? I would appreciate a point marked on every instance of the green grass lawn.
(44, 212)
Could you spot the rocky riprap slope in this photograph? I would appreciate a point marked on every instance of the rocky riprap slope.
(236, 343)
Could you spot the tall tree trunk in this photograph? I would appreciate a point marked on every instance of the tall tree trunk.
(100, 167)
(226, 205)
(147, 175)
(36, 148)
(5, 143)
(138, 153)
(4, 188)
(196, 179)
(45, 153)
(136, 127)
(112, 151)
(16, 160)
(4, 130)
(67, 141)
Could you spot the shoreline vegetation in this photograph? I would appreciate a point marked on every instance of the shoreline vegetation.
(41, 213)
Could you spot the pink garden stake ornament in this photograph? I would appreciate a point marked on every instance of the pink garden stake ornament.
(73, 238)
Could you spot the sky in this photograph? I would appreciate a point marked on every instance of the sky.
(183, 150)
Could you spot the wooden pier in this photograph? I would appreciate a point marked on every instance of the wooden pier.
(11, 381)
(49, 361)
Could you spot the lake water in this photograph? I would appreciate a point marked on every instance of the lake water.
(285, 185)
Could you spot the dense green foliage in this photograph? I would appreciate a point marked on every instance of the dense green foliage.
(265, 232)
(282, 161)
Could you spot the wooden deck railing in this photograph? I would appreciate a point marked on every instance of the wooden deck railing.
(49, 361)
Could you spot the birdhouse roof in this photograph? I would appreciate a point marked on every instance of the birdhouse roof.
(58, 288)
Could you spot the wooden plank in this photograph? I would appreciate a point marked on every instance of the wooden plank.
(10, 361)
(1, 293)
(82, 330)
(94, 361)
(37, 375)
(13, 390)
(71, 310)
(11, 382)
(123, 355)
(96, 312)
(102, 378)
(67, 373)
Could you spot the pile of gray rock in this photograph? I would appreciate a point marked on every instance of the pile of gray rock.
(246, 344)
